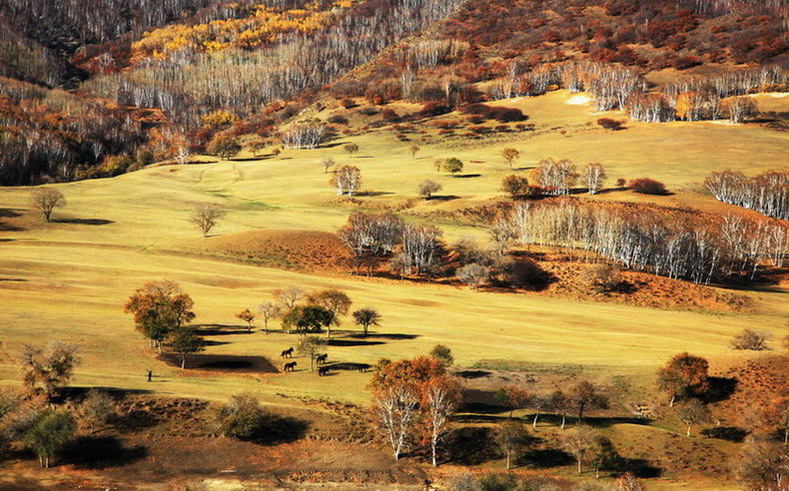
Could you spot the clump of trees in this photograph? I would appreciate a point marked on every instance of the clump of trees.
(307, 135)
(412, 249)
(45, 200)
(556, 177)
(767, 193)
(347, 179)
(649, 240)
(160, 309)
(413, 399)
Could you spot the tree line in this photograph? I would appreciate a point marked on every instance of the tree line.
(767, 193)
(649, 240)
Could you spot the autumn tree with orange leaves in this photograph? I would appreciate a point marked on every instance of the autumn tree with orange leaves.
(159, 308)
(412, 395)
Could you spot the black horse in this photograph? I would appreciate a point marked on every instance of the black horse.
(290, 367)
(288, 353)
(320, 359)
(323, 371)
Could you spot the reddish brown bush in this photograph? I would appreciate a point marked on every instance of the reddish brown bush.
(611, 124)
(645, 185)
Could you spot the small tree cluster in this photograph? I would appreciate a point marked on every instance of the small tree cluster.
(305, 135)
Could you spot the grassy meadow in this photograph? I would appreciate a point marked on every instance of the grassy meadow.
(69, 279)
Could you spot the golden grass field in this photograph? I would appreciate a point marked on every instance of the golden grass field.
(68, 280)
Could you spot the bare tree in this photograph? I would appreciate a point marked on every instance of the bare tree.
(764, 466)
(691, 412)
(289, 296)
(351, 148)
(414, 149)
(269, 311)
(510, 155)
(97, 409)
(741, 108)
(511, 436)
(579, 442)
(45, 200)
(750, 339)
(328, 163)
(366, 317)
(347, 179)
(594, 177)
(440, 399)
(182, 155)
(206, 216)
(396, 409)
(474, 275)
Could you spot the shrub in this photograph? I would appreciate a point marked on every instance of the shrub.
(368, 111)
(242, 417)
(604, 277)
(390, 115)
(522, 273)
(645, 185)
(610, 124)
(428, 188)
(338, 119)
(749, 339)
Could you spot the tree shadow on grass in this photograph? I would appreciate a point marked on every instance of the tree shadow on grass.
(473, 374)
(604, 422)
(470, 445)
(102, 452)
(640, 468)
(276, 429)
(728, 433)
(351, 343)
(545, 458)
(721, 388)
(220, 329)
(393, 336)
(84, 221)
(350, 366)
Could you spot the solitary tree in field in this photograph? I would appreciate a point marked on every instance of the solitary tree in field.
(49, 435)
(289, 296)
(453, 166)
(684, 375)
(247, 316)
(158, 309)
(428, 188)
(579, 442)
(45, 200)
(366, 317)
(335, 301)
(184, 342)
(604, 455)
(50, 368)
(310, 347)
(691, 412)
(182, 155)
(351, 148)
(328, 163)
(511, 436)
(443, 354)
(413, 149)
(510, 155)
(97, 409)
(586, 395)
(225, 147)
(269, 311)
(206, 215)
(751, 339)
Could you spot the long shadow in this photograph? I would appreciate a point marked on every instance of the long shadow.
(444, 197)
(210, 342)
(466, 176)
(545, 458)
(220, 329)
(84, 221)
(101, 452)
(470, 445)
(604, 422)
(276, 429)
(373, 193)
(9, 213)
(472, 374)
(350, 366)
(232, 363)
(393, 336)
(349, 343)
(12, 280)
(721, 388)
(728, 433)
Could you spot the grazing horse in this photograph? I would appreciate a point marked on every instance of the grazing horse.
(288, 353)
(323, 371)
(290, 367)
(322, 358)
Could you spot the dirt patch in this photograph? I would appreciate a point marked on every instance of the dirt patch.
(222, 363)
(286, 249)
